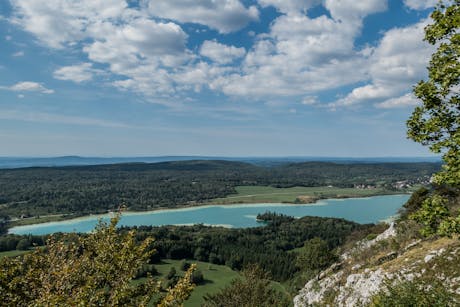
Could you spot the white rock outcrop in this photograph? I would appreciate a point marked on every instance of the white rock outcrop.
(357, 290)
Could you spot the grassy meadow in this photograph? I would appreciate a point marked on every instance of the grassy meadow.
(266, 194)
(216, 277)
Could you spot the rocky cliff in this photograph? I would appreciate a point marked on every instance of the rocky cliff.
(371, 267)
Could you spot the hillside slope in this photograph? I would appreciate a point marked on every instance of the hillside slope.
(398, 262)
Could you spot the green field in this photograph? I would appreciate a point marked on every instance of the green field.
(264, 194)
(12, 253)
(216, 277)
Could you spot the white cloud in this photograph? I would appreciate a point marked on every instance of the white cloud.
(420, 4)
(290, 6)
(223, 15)
(28, 86)
(18, 54)
(8, 37)
(145, 48)
(77, 73)
(57, 23)
(407, 100)
(352, 9)
(133, 45)
(394, 67)
(299, 56)
(310, 100)
(221, 53)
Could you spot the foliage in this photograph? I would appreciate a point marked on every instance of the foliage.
(414, 293)
(315, 256)
(82, 190)
(180, 292)
(184, 265)
(436, 122)
(197, 277)
(431, 214)
(237, 248)
(11, 242)
(449, 226)
(92, 270)
(254, 289)
(274, 218)
(172, 273)
(414, 203)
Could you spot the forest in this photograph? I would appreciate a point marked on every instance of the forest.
(272, 246)
(81, 190)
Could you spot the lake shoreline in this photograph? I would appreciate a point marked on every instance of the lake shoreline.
(72, 218)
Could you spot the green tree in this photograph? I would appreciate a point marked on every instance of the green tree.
(436, 122)
(85, 270)
(315, 256)
(254, 289)
(432, 214)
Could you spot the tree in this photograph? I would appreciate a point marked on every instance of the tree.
(436, 122)
(254, 289)
(86, 270)
(315, 256)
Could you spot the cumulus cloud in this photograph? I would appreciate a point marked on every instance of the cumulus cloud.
(59, 22)
(302, 55)
(420, 4)
(223, 15)
(290, 6)
(394, 67)
(145, 49)
(130, 43)
(77, 73)
(399, 102)
(352, 9)
(221, 53)
(28, 86)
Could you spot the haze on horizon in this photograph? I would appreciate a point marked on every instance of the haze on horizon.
(222, 78)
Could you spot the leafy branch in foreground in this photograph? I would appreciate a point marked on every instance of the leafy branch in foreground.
(436, 123)
(86, 270)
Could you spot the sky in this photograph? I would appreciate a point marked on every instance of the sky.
(210, 77)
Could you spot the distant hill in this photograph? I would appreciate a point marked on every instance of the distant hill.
(19, 162)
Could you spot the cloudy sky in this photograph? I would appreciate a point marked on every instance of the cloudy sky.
(210, 77)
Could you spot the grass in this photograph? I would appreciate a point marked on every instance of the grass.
(216, 277)
(261, 194)
(12, 253)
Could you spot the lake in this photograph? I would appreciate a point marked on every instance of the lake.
(361, 210)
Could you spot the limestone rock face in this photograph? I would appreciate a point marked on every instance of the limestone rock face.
(357, 290)
(369, 265)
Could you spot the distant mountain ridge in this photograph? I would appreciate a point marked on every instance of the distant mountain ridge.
(20, 162)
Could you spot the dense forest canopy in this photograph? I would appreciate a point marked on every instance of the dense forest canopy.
(144, 186)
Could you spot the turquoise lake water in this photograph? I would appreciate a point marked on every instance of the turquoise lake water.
(361, 210)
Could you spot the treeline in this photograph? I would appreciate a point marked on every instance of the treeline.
(142, 186)
(17, 242)
(271, 246)
(268, 246)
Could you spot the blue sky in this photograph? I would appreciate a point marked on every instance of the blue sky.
(210, 77)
